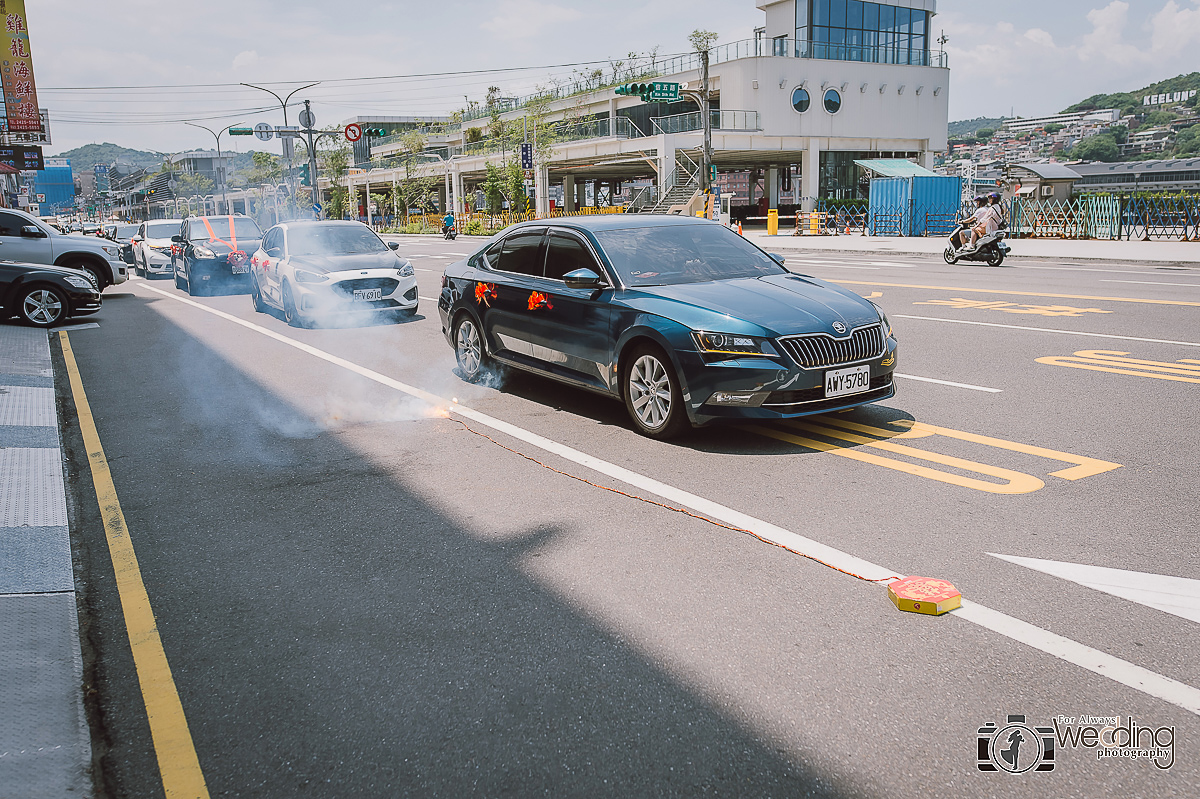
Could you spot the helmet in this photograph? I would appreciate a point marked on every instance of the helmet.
(994, 196)
(979, 198)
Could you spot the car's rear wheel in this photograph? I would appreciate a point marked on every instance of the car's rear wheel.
(42, 306)
(652, 394)
(472, 356)
(178, 280)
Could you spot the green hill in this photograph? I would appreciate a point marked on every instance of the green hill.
(967, 127)
(1131, 102)
(85, 157)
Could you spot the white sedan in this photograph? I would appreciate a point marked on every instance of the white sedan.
(152, 246)
(325, 271)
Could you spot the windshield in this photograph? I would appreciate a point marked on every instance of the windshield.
(243, 228)
(669, 255)
(163, 230)
(333, 240)
(126, 231)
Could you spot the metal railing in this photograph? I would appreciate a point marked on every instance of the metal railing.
(720, 120)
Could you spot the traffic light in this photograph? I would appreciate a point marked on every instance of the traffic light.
(656, 91)
(305, 176)
(712, 173)
(634, 89)
(241, 131)
(374, 132)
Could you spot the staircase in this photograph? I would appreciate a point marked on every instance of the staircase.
(684, 182)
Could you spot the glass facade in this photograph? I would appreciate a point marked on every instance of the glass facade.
(852, 30)
(842, 179)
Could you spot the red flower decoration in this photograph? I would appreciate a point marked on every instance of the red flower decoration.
(539, 300)
(237, 257)
(484, 292)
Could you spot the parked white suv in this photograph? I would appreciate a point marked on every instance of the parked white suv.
(28, 239)
(152, 246)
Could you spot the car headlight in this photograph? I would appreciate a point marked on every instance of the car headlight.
(201, 251)
(887, 323)
(405, 269)
(731, 344)
(112, 251)
(78, 282)
(310, 277)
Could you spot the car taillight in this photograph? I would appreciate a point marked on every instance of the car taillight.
(444, 280)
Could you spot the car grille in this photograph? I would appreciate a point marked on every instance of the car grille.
(347, 287)
(777, 399)
(816, 350)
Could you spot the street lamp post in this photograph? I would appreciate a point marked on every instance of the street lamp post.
(220, 171)
(288, 151)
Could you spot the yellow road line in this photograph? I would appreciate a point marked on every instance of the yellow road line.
(178, 764)
(1017, 293)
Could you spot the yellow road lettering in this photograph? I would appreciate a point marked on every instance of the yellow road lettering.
(1183, 371)
(1010, 293)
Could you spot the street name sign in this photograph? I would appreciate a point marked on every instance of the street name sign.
(287, 131)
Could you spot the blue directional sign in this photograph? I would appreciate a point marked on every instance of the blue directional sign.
(526, 156)
(316, 208)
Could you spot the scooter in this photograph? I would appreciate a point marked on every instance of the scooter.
(449, 232)
(990, 248)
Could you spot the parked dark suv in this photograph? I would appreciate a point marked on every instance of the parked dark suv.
(214, 251)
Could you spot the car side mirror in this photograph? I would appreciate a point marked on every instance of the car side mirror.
(177, 239)
(33, 232)
(779, 259)
(583, 279)
(136, 239)
(393, 245)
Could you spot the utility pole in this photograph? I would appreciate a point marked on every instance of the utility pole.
(220, 170)
(288, 147)
(706, 167)
(312, 157)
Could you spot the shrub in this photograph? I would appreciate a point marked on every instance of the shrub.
(414, 227)
(474, 228)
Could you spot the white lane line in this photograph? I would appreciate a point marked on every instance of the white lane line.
(1048, 330)
(427, 299)
(459, 254)
(1179, 596)
(419, 269)
(1150, 283)
(1123, 672)
(950, 383)
(828, 265)
(894, 263)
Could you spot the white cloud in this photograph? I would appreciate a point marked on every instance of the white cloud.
(246, 58)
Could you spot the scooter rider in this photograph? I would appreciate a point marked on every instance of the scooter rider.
(977, 221)
(998, 209)
(448, 222)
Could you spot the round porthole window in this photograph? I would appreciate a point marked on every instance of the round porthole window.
(833, 101)
(800, 100)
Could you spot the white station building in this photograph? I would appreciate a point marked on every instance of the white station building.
(822, 84)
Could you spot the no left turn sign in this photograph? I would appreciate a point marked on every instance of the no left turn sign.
(353, 132)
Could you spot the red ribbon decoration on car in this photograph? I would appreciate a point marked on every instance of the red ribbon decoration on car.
(539, 300)
(484, 291)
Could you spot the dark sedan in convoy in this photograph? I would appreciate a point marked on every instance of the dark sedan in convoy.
(43, 296)
(681, 318)
(214, 251)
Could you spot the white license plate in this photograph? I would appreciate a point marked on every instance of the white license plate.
(240, 269)
(366, 295)
(839, 382)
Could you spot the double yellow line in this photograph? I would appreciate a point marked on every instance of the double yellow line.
(178, 764)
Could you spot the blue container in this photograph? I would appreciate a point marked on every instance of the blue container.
(913, 206)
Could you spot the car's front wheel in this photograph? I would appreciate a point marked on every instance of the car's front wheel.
(41, 306)
(290, 314)
(652, 394)
(469, 350)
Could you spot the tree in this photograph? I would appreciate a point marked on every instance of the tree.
(1188, 141)
(334, 164)
(1053, 128)
(493, 189)
(266, 169)
(1101, 147)
(192, 185)
(985, 133)
(702, 41)
(474, 134)
(1156, 118)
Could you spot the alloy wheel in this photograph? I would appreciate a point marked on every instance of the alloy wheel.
(469, 348)
(650, 391)
(42, 307)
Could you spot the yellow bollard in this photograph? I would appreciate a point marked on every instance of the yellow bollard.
(772, 222)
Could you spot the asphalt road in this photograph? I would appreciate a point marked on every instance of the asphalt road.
(358, 596)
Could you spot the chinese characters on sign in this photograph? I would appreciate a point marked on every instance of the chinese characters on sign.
(25, 156)
(16, 63)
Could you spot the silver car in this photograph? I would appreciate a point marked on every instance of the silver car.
(152, 246)
(324, 271)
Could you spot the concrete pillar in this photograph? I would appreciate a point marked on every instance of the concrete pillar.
(666, 161)
(927, 159)
(460, 191)
(595, 194)
(569, 193)
(772, 180)
(811, 176)
(541, 182)
(442, 191)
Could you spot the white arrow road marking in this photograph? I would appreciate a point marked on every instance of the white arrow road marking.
(1179, 596)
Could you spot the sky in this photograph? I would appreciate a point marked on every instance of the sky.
(1029, 57)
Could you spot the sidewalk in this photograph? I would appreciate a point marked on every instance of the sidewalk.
(1172, 253)
(45, 748)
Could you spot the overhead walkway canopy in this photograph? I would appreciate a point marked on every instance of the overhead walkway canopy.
(894, 168)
